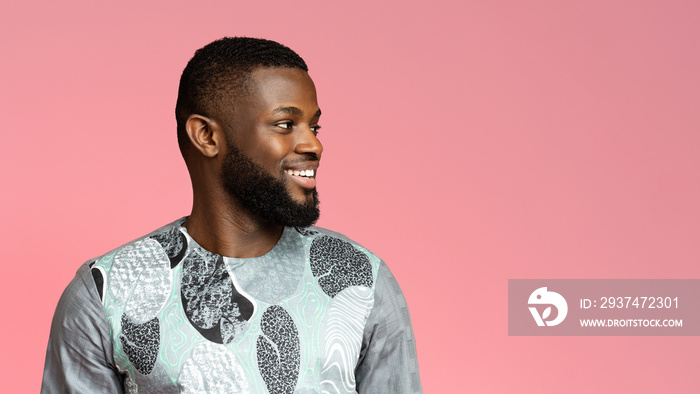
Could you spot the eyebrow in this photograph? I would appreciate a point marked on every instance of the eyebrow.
(294, 111)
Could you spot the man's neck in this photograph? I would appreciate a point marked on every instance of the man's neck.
(227, 229)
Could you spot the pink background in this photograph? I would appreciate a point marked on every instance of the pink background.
(465, 143)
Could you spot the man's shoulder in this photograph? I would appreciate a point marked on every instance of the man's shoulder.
(164, 235)
(320, 233)
(339, 263)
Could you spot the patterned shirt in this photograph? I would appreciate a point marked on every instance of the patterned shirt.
(316, 314)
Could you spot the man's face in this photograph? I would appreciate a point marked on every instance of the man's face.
(272, 152)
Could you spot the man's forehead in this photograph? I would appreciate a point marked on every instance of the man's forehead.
(279, 87)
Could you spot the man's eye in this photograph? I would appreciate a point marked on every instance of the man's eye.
(316, 129)
(285, 125)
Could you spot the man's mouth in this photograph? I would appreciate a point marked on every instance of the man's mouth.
(304, 173)
(304, 178)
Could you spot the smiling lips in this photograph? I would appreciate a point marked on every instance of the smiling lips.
(305, 178)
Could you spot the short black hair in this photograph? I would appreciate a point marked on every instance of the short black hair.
(219, 72)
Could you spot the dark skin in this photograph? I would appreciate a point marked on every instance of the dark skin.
(276, 126)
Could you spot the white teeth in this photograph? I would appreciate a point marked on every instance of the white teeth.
(300, 172)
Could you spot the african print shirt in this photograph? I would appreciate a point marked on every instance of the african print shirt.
(303, 318)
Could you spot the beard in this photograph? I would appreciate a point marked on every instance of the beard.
(263, 195)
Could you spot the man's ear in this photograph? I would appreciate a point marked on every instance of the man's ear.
(205, 134)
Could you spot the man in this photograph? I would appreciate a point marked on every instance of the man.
(242, 295)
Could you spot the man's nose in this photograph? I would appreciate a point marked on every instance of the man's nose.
(308, 142)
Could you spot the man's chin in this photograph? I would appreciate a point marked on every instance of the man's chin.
(308, 200)
(307, 213)
(302, 219)
(294, 212)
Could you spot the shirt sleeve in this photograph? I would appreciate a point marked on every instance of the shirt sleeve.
(388, 362)
(79, 354)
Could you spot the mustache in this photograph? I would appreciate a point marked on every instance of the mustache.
(306, 157)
